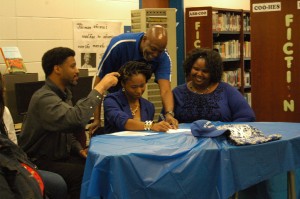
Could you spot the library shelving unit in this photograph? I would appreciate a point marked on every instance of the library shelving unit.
(141, 20)
(275, 62)
(246, 55)
(225, 30)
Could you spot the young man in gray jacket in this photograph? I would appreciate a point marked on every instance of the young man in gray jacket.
(47, 131)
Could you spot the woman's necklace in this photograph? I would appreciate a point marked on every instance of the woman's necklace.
(206, 90)
(133, 111)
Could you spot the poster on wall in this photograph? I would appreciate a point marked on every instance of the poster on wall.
(91, 38)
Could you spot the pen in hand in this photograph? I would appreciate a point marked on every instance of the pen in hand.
(162, 117)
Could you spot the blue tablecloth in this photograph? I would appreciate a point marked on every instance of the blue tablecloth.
(183, 166)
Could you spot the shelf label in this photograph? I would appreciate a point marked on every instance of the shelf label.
(288, 104)
(266, 7)
(198, 13)
(298, 5)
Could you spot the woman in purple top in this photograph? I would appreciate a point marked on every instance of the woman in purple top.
(126, 109)
(204, 96)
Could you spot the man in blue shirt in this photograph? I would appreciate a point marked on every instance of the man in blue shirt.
(149, 47)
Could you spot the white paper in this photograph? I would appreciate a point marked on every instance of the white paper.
(178, 130)
(133, 133)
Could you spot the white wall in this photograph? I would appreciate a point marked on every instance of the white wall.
(232, 4)
(36, 26)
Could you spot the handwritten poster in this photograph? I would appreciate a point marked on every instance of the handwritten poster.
(91, 39)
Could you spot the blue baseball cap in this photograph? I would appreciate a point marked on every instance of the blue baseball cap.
(204, 128)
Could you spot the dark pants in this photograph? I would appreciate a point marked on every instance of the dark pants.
(5, 189)
(70, 169)
(55, 185)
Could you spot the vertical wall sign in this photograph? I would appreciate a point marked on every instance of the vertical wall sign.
(275, 61)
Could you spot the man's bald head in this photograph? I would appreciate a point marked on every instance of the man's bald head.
(154, 42)
(157, 34)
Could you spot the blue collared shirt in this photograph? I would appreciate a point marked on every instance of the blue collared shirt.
(126, 47)
(117, 111)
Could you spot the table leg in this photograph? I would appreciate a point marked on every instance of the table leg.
(291, 185)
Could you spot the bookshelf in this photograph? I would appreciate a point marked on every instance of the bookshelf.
(228, 31)
(141, 20)
(275, 31)
(247, 56)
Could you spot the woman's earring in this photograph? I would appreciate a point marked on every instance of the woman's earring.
(123, 89)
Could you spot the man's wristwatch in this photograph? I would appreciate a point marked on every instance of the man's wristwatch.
(171, 113)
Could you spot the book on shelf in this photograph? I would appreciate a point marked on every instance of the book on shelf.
(247, 78)
(226, 22)
(232, 77)
(247, 49)
(228, 49)
(247, 97)
(13, 59)
(246, 22)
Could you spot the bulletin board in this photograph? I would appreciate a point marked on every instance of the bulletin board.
(91, 38)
